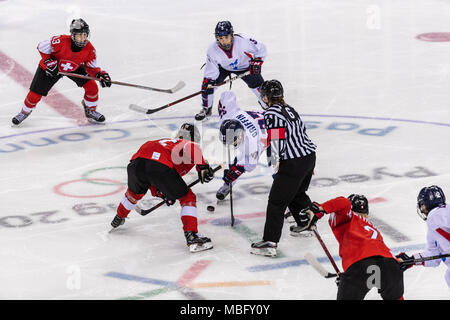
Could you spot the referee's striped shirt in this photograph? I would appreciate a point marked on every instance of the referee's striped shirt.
(287, 133)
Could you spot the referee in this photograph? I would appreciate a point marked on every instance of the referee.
(293, 156)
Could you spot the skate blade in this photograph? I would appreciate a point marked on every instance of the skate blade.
(267, 252)
(200, 247)
(92, 121)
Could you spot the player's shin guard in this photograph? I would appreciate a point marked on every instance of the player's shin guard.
(189, 218)
(127, 203)
(188, 213)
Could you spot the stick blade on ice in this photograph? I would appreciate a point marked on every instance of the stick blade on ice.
(137, 108)
(318, 267)
(180, 85)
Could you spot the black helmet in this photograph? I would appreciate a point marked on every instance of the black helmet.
(224, 28)
(79, 26)
(272, 89)
(360, 204)
(431, 197)
(231, 132)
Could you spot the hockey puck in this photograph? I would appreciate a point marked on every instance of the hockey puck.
(210, 208)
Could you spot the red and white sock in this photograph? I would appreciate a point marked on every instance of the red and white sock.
(30, 102)
(90, 98)
(189, 218)
(189, 211)
(128, 203)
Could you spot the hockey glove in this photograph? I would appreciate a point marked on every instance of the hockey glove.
(255, 66)
(308, 217)
(406, 261)
(206, 91)
(317, 209)
(229, 175)
(51, 68)
(205, 173)
(105, 79)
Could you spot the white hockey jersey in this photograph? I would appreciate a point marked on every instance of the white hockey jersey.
(242, 51)
(255, 140)
(438, 237)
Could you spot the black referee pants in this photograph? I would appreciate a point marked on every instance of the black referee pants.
(288, 190)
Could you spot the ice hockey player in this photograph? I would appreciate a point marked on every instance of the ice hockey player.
(243, 130)
(159, 165)
(68, 53)
(432, 208)
(366, 260)
(231, 54)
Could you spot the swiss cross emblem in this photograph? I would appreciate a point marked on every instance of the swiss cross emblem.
(66, 65)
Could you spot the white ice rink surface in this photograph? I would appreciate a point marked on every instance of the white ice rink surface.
(374, 96)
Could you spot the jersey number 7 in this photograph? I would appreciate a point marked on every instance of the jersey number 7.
(374, 232)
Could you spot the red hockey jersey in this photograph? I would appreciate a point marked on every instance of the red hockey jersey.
(357, 237)
(59, 48)
(180, 154)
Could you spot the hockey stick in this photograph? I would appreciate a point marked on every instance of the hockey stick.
(137, 108)
(231, 191)
(319, 268)
(420, 260)
(314, 229)
(179, 85)
(143, 212)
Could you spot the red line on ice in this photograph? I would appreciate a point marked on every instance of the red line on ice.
(193, 272)
(55, 100)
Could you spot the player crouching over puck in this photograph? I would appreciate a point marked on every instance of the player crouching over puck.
(158, 166)
(366, 260)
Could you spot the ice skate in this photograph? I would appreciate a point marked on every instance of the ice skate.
(92, 116)
(204, 113)
(19, 118)
(117, 221)
(197, 242)
(300, 231)
(264, 248)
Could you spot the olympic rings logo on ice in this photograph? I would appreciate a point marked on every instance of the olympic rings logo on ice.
(86, 177)
(58, 189)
